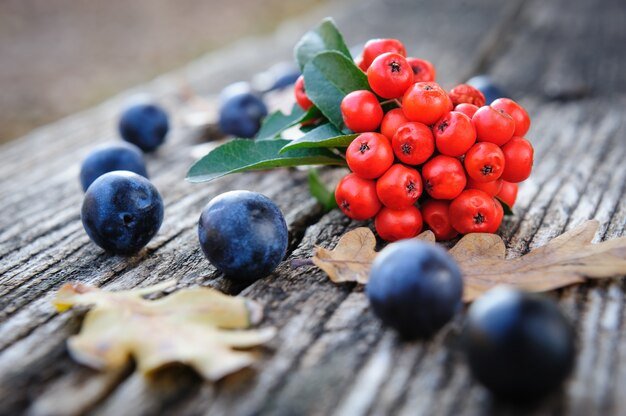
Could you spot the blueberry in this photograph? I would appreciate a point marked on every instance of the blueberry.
(485, 84)
(518, 345)
(284, 78)
(109, 157)
(122, 211)
(243, 234)
(241, 114)
(277, 77)
(236, 88)
(415, 288)
(144, 125)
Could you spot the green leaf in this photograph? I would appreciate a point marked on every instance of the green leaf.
(310, 114)
(325, 37)
(277, 122)
(320, 192)
(390, 105)
(307, 128)
(328, 78)
(240, 155)
(508, 211)
(325, 135)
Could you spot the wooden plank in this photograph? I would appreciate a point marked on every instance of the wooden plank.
(261, 390)
(331, 355)
(564, 50)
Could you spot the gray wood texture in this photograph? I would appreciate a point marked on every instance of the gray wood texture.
(563, 59)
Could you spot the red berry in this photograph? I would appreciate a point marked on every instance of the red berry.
(375, 47)
(521, 117)
(484, 162)
(498, 218)
(518, 159)
(390, 75)
(361, 111)
(493, 125)
(391, 122)
(508, 193)
(443, 177)
(450, 105)
(473, 212)
(436, 214)
(397, 224)
(356, 197)
(454, 134)
(300, 93)
(467, 109)
(399, 187)
(369, 155)
(425, 102)
(467, 94)
(413, 143)
(423, 70)
(492, 188)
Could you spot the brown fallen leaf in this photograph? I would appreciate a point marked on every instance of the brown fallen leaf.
(199, 327)
(567, 259)
(352, 257)
(427, 236)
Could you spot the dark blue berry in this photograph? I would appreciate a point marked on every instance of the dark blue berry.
(110, 157)
(233, 89)
(485, 84)
(121, 212)
(144, 125)
(415, 287)
(518, 345)
(241, 114)
(285, 79)
(243, 234)
(279, 76)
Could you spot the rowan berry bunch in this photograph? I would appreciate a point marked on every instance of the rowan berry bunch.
(420, 156)
(424, 154)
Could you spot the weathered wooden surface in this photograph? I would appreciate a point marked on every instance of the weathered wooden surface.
(331, 355)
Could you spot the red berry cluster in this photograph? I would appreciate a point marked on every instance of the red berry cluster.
(445, 152)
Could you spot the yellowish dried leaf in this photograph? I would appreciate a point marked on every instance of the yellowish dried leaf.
(567, 259)
(200, 327)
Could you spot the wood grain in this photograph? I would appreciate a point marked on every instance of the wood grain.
(331, 355)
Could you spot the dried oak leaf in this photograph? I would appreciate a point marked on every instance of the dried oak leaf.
(199, 327)
(565, 260)
(352, 257)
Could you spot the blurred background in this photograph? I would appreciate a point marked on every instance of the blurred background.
(60, 57)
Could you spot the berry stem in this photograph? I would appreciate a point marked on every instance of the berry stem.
(393, 100)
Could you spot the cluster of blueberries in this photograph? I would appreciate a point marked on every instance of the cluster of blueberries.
(518, 345)
(122, 210)
(242, 233)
